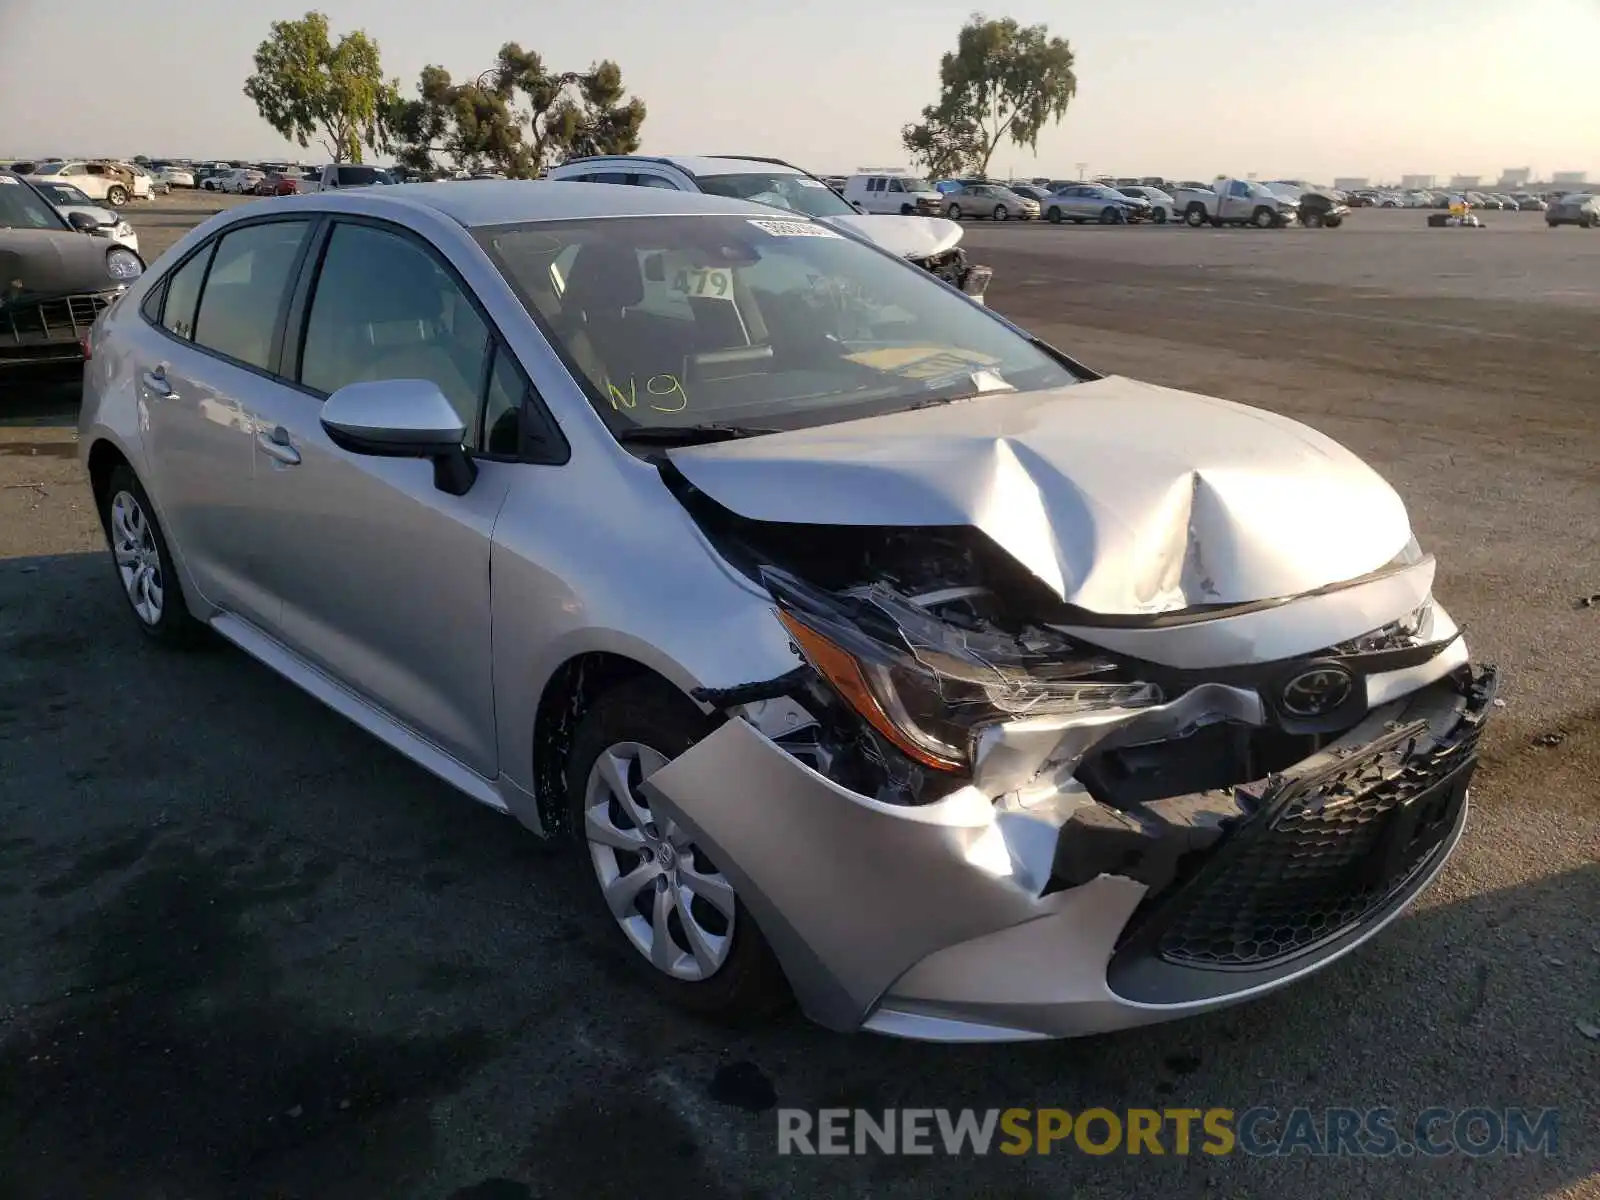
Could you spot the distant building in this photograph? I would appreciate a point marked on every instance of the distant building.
(1465, 182)
(1417, 183)
(1349, 183)
(1567, 177)
(1515, 177)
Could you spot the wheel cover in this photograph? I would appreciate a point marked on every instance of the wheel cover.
(671, 902)
(133, 545)
(1001, 212)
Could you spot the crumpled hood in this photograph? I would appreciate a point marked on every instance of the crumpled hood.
(1122, 497)
(48, 262)
(909, 237)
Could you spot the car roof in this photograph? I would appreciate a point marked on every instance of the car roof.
(695, 164)
(478, 203)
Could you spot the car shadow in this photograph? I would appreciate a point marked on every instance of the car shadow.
(260, 949)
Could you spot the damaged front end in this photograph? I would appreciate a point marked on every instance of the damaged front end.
(964, 819)
(951, 266)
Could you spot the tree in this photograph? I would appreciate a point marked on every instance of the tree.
(305, 85)
(944, 143)
(1006, 79)
(519, 117)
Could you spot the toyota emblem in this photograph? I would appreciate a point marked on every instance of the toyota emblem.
(1317, 692)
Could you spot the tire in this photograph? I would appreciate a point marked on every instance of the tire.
(1108, 215)
(1263, 218)
(1334, 222)
(1161, 216)
(1195, 216)
(1053, 215)
(1312, 220)
(650, 715)
(1001, 213)
(907, 211)
(1553, 224)
(140, 557)
(116, 195)
(953, 212)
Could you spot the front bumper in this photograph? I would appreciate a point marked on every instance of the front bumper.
(1047, 913)
(49, 330)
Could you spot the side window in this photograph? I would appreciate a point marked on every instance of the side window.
(75, 169)
(609, 177)
(385, 309)
(183, 291)
(894, 186)
(1240, 188)
(502, 409)
(244, 291)
(655, 181)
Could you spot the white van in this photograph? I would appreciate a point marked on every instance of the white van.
(896, 193)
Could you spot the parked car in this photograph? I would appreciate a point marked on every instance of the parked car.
(1029, 191)
(1527, 202)
(932, 243)
(145, 184)
(676, 529)
(1579, 208)
(894, 195)
(1236, 202)
(991, 201)
(1316, 209)
(346, 175)
(1163, 207)
(54, 278)
(234, 180)
(174, 176)
(100, 181)
(1081, 202)
(277, 184)
(67, 200)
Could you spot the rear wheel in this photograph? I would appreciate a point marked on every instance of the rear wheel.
(676, 909)
(1001, 212)
(143, 562)
(116, 195)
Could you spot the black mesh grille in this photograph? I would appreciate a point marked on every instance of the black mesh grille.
(48, 322)
(1336, 847)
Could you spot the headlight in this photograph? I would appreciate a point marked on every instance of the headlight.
(927, 686)
(123, 264)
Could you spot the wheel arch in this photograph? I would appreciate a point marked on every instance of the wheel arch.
(105, 456)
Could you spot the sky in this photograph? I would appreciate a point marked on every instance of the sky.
(1372, 88)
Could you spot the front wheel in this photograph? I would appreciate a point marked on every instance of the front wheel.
(674, 906)
(1053, 216)
(1196, 216)
(906, 210)
(1264, 218)
(953, 212)
(1161, 216)
(1002, 213)
(1312, 220)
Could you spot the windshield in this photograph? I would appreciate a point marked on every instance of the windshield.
(64, 193)
(797, 193)
(671, 322)
(21, 207)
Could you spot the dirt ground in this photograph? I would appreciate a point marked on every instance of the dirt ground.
(252, 953)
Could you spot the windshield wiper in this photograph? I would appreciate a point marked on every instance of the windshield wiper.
(687, 435)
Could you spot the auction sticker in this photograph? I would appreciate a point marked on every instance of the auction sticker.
(794, 229)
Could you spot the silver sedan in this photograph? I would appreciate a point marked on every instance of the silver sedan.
(989, 200)
(864, 649)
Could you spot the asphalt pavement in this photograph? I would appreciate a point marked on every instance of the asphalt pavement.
(254, 953)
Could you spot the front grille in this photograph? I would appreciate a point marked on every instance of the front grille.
(1331, 850)
(49, 323)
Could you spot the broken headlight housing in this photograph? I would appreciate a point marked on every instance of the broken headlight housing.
(926, 683)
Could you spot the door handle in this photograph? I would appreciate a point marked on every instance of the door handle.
(156, 381)
(276, 445)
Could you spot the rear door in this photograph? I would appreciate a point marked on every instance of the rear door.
(206, 349)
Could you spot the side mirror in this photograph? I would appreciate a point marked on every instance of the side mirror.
(858, 206)
(83, 222)
(402, 418)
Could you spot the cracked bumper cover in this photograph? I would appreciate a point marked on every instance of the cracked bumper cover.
(1044, 913)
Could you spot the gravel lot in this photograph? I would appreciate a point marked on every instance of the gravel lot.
(252, 953)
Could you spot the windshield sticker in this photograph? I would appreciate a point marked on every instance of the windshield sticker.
(8, 179)
(715, 283)
(663, 394)
(794, 229)
(810, 183)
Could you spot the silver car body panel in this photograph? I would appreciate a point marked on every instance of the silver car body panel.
(1122, 497)
(300, 564)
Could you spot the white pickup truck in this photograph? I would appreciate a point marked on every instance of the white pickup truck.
(1234, 202)
(345, 175)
